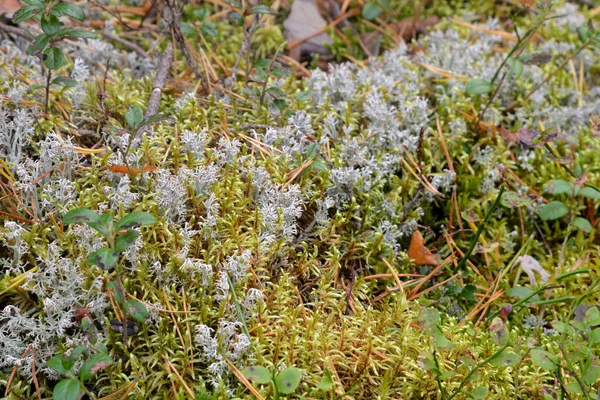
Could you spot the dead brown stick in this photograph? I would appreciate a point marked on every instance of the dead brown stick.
(173, 19)
(14, 30)
(131, 46)
(159, 82)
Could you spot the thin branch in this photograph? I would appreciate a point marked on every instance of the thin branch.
(131, 46)
(14, 30)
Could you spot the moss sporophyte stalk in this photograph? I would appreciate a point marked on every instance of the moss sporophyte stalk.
(191, 209)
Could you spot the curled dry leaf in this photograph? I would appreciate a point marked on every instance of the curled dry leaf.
(419, 253)
(411, 28)
(536, 59)
(530, 265)
(8, 7)
(306, 20)
(528, 3)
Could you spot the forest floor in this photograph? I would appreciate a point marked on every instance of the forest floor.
(334, 200)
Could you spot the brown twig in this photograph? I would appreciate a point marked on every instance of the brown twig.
(14, 30)
(131, 46)
(173, 19)
(159, 81)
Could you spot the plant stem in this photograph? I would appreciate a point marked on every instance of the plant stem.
(237, 307)
(475, 369)
(464, 260)
(437, 378)
(47, 100)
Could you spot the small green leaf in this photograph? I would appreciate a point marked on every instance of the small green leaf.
(261, 63)
(135, 219)
(70, 9)
(592, 375)
(262, 9)
(276, 92)
(371, 11)
(56, 363)
(187, 29)
(94, 364)
(513, 200)
(104, 258)
(67, 389)
(50, 25)
(478, 86)
(281, 104)
(312, 150)
(595, 336)
(287, 381)
(116, 293)
(61, 80)
(125, 240)
(25, 13)
(590, 193)
(77, 33)
(429, 318)
(79, 215)
(319, 166)
(303, 96)
(209, 29)
(553, 210)
(505, 359)
(516, 67)
(582, 224)
(39, 3)
(544, 359)
(498, 331)
(201, 14)
(592, 317)
(468, 292)
(55, 59)
(326, 383)
(136, 309)
(559, 186)
(134, 116)
(521, 293)
(39, 44)
(76, 353)
(257, 374)
(429, 365)
(480, 392)
(469, 216)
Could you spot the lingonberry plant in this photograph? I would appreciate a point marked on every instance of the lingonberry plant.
(47, 13)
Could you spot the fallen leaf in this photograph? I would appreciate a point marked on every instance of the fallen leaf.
(531, 265)
(411, 28)
(536, 59)
(304, 21)
(508, 136)
(419, 253)
(8, 7)
(527, 3)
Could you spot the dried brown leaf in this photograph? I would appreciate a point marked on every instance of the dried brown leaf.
(419, 253)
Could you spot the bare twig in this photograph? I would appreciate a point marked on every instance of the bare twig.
(117, 16)
(159, 82)
(131, 46)
(246, 45)
(173, 19)
(14, 30)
